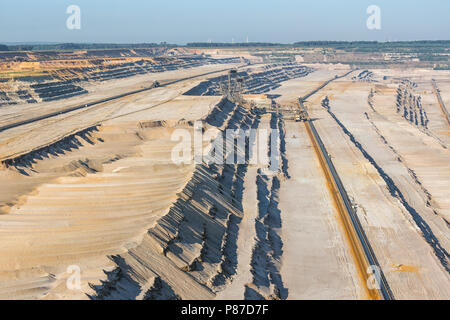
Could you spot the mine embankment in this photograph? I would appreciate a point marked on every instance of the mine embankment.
(440, 252)
(410, 105)
(69, 78)
(266, 262)
(82, 197)
(191, 251)
(253, 81)
(441, 102)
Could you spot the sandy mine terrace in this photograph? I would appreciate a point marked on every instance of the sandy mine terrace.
(398, 175)
(96, 198)
(17, 140)
(109, 200)
(111, 168)
(105, 89)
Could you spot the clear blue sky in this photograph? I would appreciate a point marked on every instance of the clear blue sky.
(181, 21)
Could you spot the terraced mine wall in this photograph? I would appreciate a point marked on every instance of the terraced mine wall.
(191, 252)
(24, 163)
(50, 55)
(410, 106)
(66, 81)
(57, 90)
(364, 76)
(265, 265)
(253, 82)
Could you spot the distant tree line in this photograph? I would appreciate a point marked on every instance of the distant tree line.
(373, 43)
(233, 45)
(332, 43)
(375, 46)
(82, 46)
(425, 46)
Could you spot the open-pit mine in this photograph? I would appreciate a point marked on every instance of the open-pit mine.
(352, 200)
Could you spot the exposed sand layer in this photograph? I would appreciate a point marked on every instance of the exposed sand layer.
(90, 195)
(190, 252)
(100, 210)
(97, 191)
(397, 175)
(28, 137)
(99, 206)
(308, 211)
